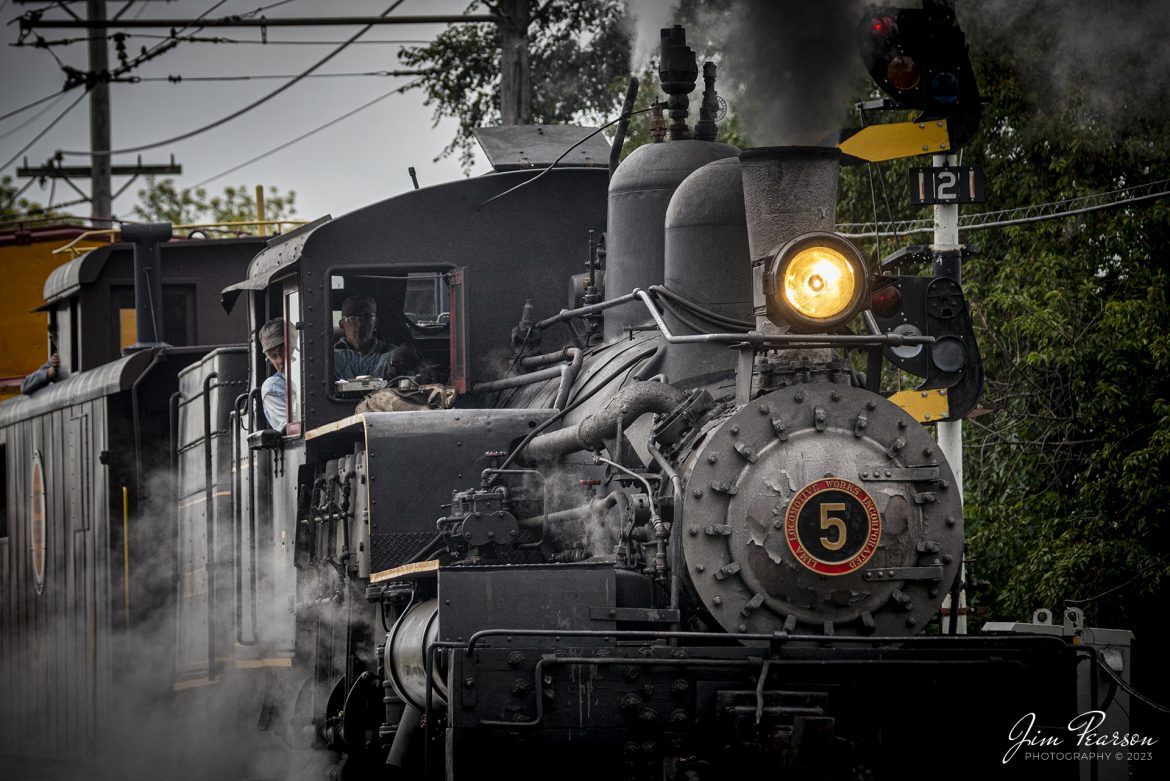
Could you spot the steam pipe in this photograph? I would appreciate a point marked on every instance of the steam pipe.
(661, 532)
(254, 402)
(547, 359)
(407, 726)
(567, 373)
(676, 526)
(209, 515)
(626, 406)
(581, 311)
(147, 280)
(750, 337)
(756, 338)
(173, 412)
(134, 413)
(619, 139)
(577, 402)
(600, 507)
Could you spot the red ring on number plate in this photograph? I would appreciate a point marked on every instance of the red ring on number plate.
(842, 496)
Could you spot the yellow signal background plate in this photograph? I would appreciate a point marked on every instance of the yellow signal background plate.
(901, 139)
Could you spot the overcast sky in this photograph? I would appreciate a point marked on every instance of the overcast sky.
(357, 161)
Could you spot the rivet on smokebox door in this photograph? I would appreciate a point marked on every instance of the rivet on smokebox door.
(711, 459)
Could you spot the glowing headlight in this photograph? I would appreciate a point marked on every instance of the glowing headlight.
(816, 282)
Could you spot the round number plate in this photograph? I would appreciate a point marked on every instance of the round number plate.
(832, 526)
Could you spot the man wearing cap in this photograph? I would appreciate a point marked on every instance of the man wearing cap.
(359, 351)
(273, 392)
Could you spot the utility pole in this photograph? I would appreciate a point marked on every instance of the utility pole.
(99, 118)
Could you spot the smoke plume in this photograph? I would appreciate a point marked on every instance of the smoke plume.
(796, 62)
(648, 17)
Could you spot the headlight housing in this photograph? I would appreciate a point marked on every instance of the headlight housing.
(815, 282)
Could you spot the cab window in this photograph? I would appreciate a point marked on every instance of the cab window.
(388, 326)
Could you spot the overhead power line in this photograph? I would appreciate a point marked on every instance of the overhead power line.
(33, 118)
(28, 23)
(1019, 216)
(247, 108)
(303, 136)
(47, 128)
(34, 104)
(265, 41)
(179, 78)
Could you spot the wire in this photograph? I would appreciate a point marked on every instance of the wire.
(261, 9)
(169, 42)
(33, 118)
(562, 156)
(41, 134)
(220, 39)
(178, 78)
(34, 104)
(1132, 691)
(245, 109)
(1020, 215)
(303, 136)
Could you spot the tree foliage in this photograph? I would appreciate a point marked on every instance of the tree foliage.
(578, 58)
(1065, 480)
(15, 207)
(162, 201)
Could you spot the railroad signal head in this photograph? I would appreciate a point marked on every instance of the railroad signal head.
(918, 57)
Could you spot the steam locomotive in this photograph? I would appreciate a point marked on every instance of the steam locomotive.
(638, 515)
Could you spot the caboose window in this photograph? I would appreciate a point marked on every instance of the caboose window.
(177, 308)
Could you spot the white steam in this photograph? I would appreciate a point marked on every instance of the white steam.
(648, 17)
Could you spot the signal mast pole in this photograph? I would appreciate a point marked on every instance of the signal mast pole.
(947, 263)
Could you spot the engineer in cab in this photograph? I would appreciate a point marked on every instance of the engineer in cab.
(360, 352)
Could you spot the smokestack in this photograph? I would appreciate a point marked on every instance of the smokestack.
(677, 70)
(787, 191)
(148, 311)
